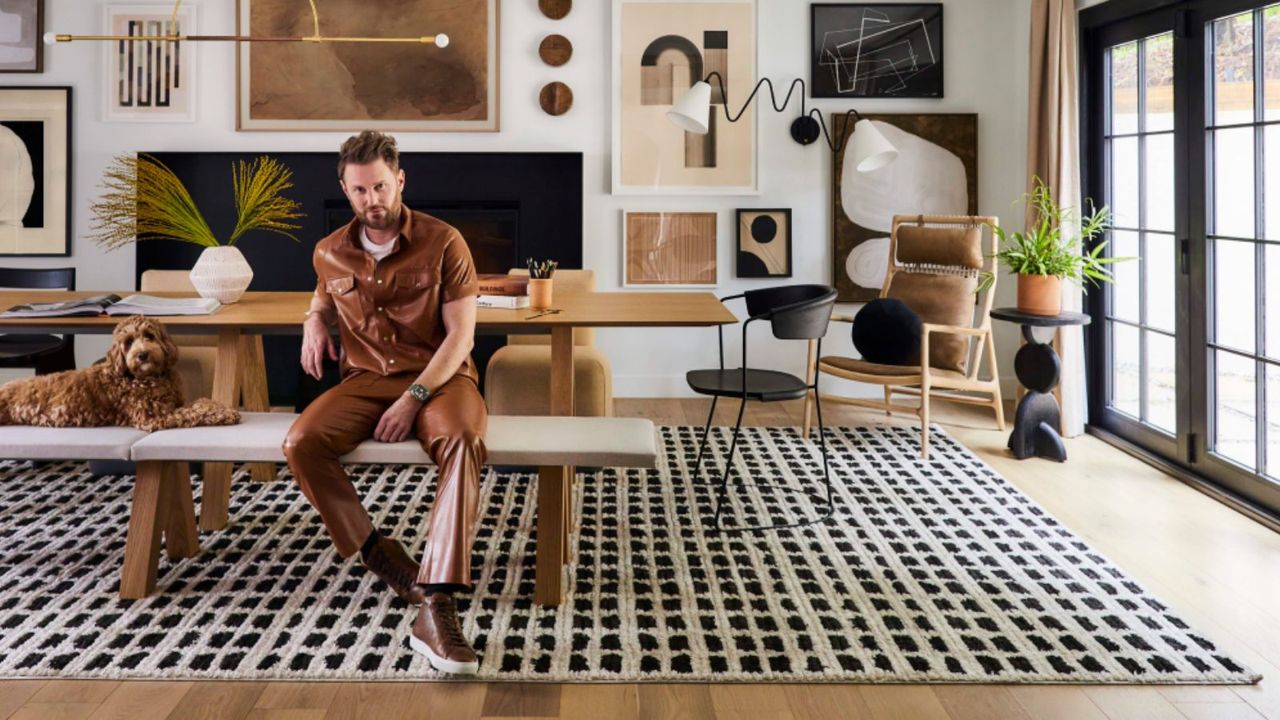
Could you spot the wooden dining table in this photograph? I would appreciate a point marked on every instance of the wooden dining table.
(240, 375)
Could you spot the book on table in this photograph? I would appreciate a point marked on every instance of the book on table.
(112, 304)
(513, 302)
(495, 284)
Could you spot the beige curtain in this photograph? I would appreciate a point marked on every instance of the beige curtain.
(1053, 154)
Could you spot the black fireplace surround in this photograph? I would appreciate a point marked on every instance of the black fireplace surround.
(509, 206)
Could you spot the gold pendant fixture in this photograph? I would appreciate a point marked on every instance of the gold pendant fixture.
(440, 40)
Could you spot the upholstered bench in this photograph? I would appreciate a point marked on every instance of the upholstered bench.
(552, 444)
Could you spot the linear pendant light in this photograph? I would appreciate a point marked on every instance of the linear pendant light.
(440, 40)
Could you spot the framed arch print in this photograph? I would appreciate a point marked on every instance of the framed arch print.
(35, 158)
(660, 48)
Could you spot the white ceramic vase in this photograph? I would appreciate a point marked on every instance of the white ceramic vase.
(221, 273)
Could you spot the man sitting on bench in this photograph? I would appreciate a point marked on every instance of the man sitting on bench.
(401, 286)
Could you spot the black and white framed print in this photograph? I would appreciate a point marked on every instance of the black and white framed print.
(764, 243)
(35, 161)
(149, 80)
(862, 50)
(21, 29)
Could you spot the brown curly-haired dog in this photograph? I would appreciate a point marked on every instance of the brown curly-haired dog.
(134, 386)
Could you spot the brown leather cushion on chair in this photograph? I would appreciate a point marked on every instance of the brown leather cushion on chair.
(942, 300)
(902, 373)
(950, 246)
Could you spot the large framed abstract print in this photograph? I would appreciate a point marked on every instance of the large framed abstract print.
(936, 173)
(21, 31)
(35, 161)
(861, 50)
(348, 86)
(669, 250)
(149, 80)
(660, 49)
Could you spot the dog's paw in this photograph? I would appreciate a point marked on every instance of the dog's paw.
(215, 413)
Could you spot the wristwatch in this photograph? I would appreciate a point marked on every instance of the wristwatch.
(419, 393)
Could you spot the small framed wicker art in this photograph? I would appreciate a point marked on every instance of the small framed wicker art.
(669, 249)
(764, 243)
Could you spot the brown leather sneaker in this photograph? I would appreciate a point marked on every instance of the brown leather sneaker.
(437, 633)
(388, 560)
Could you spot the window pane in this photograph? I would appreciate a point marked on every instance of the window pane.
(1162, 382)
(1233, 69)
(1234, 293)
(1271, 177)
(1125, 381)
(1159, 81)
(1159, 183)
(1126, 291)
(1273, 303)
(1124, 182)
(1271, 61)
(1236, 408)
(1233, 182)
(1273, 420)
(1162, 271)
(1124, 88)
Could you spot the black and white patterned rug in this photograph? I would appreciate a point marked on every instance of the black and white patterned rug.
(939, 571)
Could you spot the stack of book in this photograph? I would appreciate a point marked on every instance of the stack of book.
(503, 291)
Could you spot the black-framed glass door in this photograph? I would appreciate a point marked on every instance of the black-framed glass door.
(1182, 132)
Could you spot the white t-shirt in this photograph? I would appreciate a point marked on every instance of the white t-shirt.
(377, 251)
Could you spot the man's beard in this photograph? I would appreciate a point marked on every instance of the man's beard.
(390, 217)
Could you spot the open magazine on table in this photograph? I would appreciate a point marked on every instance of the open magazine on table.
(112, 304)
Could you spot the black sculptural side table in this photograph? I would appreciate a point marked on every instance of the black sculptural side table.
(1037, 426)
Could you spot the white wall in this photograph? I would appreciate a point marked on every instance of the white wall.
(986, 72)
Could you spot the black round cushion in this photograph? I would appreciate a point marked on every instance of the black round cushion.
(886, 331)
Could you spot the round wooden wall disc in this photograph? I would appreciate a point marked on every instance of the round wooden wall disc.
(555, 9)
(555, 50)
(556, 98)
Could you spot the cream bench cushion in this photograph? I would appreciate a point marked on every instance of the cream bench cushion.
(510, 440)
(26, 442)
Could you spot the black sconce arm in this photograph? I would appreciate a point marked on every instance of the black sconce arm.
(805, 128)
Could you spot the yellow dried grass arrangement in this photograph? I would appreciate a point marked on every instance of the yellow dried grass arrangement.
(143, 198)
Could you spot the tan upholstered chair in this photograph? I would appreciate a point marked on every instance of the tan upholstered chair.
(518, 378)
(934, 266)
(197, 354)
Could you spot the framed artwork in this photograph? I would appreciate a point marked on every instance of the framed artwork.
(35, 160)
(863, 50)
(669, 249)
(368, 86)
(660, 49)
(764, 243)
(21, 30)
(936, 173)
(148, 80)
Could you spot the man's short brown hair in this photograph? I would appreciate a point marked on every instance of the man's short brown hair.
(369, 146)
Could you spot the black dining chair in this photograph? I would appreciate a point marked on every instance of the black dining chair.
(794, 312)
(45, 353)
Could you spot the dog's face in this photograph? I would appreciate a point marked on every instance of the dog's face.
(141, 348)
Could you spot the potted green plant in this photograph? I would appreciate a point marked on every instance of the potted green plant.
(1045, 255)
(144, 199)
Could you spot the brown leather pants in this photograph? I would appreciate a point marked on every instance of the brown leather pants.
(451, 428)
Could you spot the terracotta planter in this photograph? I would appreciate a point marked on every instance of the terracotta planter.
(540, 293)
(1040, 294)
(221, 273)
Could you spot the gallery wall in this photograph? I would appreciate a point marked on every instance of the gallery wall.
(985, 73)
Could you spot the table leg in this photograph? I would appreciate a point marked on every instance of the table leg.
(1037, 426)
(216, 498)
(562, 404)
(253, 387)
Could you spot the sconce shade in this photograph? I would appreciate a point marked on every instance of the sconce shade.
(693, 111)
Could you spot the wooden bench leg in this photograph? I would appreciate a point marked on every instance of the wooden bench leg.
(253, 389)
(215, 502)
(180, 537)
(146, 520)
(549, 567)
(568, 512)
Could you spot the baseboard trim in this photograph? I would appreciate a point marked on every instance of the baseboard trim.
(1242, 505)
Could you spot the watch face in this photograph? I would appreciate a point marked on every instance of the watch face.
(418, 392)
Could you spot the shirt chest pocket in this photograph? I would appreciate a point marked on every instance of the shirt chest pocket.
(342, 288)
(415, 281)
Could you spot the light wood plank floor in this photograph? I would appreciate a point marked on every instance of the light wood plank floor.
(1216, 568)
